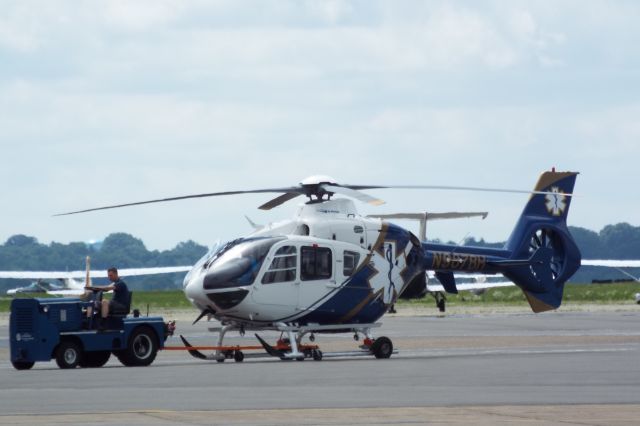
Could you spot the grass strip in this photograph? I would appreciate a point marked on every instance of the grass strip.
(618, 293)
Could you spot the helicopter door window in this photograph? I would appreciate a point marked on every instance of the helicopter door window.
(315, 263)
(351, 259)
(283, 267)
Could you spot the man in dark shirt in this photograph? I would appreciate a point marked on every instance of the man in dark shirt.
(120, 298)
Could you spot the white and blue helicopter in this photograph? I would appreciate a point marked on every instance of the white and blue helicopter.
(329, 269)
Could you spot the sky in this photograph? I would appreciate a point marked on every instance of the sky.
(109, 102)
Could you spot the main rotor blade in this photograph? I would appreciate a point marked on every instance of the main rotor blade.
(308, 189)
(279, 200)
(454, 188)
(349, 192)
(185, 197)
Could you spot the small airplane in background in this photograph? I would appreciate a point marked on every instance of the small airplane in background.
(73, 282)
(38, 286)
(45, 286)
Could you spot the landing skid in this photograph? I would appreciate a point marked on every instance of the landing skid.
(291, 347)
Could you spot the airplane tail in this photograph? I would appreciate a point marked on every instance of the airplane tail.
(542, 236)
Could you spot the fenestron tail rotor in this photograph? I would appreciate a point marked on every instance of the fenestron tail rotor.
(548, 239)
(316, 188)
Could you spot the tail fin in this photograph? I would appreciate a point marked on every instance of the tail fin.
(541, 234)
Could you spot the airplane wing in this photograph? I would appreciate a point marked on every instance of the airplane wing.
(479, 282)
(35, 275)
(128, 272)
(613, 263)
(616, 264)
(472, 286)
(67, 292)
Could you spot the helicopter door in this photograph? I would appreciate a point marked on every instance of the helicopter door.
(317, 276)
(279, 284)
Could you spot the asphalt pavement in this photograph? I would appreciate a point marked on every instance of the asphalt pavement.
(557, 367)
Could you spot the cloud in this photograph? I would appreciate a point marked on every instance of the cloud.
(116, 37)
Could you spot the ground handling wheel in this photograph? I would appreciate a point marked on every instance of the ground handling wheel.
(238, 356)
(382, 347)
(317, 355)
(141, 349)
(68, 354)
(227, 354)
(94, 359)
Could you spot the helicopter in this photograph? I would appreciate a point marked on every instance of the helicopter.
(331, 270)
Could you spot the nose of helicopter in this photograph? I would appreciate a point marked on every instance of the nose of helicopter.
(198, 291)
(193, 288)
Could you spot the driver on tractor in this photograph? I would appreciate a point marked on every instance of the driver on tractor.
(120, 301)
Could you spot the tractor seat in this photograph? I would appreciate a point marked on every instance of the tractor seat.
(123, 312)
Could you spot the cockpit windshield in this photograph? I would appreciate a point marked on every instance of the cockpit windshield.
(238, 262)
(213, 251)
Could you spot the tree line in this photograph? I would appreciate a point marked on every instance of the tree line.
(22, 253)
(25, 253)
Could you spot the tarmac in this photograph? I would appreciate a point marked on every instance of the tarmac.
(482, 367)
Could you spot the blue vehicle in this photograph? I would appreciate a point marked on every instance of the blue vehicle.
(45, 329)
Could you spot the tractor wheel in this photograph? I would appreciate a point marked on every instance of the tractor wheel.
(141, 349)
(68, 354)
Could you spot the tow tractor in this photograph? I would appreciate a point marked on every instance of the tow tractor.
(45, 329)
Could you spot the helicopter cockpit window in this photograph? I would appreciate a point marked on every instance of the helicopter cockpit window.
(315, 263)
(351, 259)
(239, 262)
(283, 266)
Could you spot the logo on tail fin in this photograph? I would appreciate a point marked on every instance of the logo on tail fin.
(555, 202)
